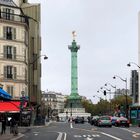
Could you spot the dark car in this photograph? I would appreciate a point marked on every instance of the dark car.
(122, 121)
(94, 120)
(79, 120)
(114, 119)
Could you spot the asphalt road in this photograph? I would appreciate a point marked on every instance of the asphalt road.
(68, 131)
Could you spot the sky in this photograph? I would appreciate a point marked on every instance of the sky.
(107, 32)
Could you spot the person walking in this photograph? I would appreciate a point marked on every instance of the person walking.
(3, 129)
(13, 126)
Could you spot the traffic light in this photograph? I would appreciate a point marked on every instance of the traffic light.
(105, 92)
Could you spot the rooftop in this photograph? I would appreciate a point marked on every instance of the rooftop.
(8, 2)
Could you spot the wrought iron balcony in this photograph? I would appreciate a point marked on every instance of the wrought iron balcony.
(14, 17)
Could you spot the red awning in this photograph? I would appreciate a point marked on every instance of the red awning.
(10, 106)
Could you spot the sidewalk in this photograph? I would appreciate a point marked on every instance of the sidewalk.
(8, 136)
(22, 130)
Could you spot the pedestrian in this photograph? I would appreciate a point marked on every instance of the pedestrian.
(13, 126)
(3, 129)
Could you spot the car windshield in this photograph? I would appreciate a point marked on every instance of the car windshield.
(105, 118)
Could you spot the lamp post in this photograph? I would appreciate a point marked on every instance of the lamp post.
(22, 101)
(31, 72)
(31, 88)
(126, 102)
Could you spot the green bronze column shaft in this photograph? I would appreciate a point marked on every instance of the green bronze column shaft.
(74, 75)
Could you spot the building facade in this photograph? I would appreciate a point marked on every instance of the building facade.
(139, 55)
(20, 49)
(32, 12)
(134, 89)
(13, 49)
(54, 102)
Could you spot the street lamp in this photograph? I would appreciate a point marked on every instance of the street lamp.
(129, 64)
(45, 57)
(31, 88)
(124, 80)
(98, 97)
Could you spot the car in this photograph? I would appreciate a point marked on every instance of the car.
(122, 121)
(113, 119)
(79, 120)
(104, 121)
(94, 120)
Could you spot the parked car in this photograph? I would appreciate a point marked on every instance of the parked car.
(79, 120)
(104, 121)
(122, 121)
(94, 120)
(114, 119)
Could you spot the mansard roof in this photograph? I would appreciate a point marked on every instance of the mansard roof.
(8, 3)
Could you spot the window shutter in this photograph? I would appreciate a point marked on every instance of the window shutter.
(4, 32)
(25, 74)
(15, 73)
(14, 52)
(14, 33)
(12, 15)
(4, 13)
(5, 71)
(8, 89)
(4, 51)
(12, 91)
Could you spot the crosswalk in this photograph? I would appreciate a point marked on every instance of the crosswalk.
(86, 136)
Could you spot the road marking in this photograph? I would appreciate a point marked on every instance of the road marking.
(128, 130)
(59, 136)
(35, 134)
(95, 135)
(71, 125)
(18, 137)
(65, 136)
(77, 136)
(136, 135)
(116, 138)
(86, 136)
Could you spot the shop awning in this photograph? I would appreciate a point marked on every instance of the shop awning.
(4, 94)
(10, 106)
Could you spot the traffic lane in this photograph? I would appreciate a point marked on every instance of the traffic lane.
(117, 132)
(83, 132)
(40, 134)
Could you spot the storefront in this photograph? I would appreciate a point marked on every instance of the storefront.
(135, 115)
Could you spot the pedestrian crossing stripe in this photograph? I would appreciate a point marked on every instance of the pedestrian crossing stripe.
(86, 136)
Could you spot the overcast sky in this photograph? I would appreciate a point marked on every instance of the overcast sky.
(107, 32)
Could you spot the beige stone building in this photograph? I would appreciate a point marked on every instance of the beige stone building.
(32, 11)
(13, 49)
(20, 49)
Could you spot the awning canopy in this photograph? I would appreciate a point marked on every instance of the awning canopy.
(11, 106)
(4, 94)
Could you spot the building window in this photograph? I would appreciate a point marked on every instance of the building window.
(9, 33)
(10, 90)
(8, 14)
(10, 72)
(9, 52)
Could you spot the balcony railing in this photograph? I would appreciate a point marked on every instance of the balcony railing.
(14, 17)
